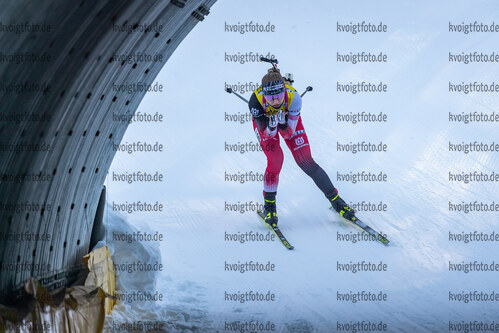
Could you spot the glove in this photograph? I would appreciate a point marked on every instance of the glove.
(281, 117)
(273, 121)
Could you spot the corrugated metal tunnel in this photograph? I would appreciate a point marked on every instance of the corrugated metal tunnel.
(58, 135)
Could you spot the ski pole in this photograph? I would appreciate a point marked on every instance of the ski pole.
(230, 91)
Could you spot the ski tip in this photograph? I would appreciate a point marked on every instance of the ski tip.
(380, 238)
(383, 240)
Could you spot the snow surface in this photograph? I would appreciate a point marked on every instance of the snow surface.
(306, 280)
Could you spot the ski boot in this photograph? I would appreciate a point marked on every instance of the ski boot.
(340, 206)
(269, 209)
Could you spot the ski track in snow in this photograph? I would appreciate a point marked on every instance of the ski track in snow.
(418, 191)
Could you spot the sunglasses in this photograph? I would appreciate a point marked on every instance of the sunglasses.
(273, 97)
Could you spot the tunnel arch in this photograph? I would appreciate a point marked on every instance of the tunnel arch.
(57, 135)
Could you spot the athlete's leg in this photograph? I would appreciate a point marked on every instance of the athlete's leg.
(300, 148)
(275, 158)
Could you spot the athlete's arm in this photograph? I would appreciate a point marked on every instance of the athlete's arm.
(262, 122)
(288, 128)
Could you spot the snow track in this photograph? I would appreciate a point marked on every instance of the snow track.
(306, 282)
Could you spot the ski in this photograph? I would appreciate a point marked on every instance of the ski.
(276, 231)
(379, 237)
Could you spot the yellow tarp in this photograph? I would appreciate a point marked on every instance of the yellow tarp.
(78, 309)
(101, 274)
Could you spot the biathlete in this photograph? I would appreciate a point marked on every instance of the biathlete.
(275, 107)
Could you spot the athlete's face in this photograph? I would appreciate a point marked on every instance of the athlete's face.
(276, 102)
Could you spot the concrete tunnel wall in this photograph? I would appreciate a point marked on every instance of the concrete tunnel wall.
(75, 117)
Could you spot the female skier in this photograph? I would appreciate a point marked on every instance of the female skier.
(275, 107)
